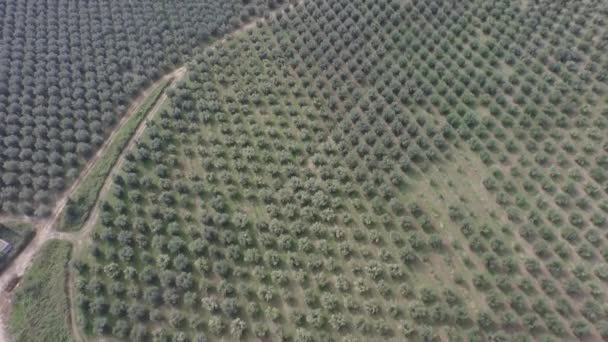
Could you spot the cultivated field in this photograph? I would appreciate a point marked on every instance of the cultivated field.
(68, 72)
(366, 170)
(354, 170)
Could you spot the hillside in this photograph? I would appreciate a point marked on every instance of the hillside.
(365, 170)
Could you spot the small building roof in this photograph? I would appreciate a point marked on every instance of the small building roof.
(4, 246)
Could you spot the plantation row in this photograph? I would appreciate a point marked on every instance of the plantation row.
(282, 194)
(68, 72)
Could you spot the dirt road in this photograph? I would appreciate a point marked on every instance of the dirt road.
(45, 229)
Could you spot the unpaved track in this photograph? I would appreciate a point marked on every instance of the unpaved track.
(45, 229)
(61, 201)
(79, 237)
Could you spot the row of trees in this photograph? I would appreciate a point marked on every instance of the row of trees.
(269, 199)
(68, 71)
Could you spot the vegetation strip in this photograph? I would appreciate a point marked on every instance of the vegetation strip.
(82, 200)
(41, 310)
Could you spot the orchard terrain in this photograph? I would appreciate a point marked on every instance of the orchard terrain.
(368, 170)
(359, 170)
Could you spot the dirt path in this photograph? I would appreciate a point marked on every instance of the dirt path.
(45, 229)
(61, 201)
(79, 237)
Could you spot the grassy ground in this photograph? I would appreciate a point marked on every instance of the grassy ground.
(40, 311)
(85, 196)
(17, 234)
